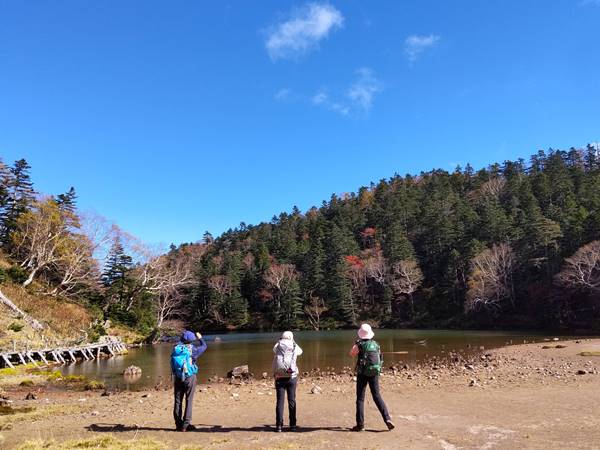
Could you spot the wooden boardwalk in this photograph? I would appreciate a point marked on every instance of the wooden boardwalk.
(107, 347)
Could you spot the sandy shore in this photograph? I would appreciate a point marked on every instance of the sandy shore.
(523, 396)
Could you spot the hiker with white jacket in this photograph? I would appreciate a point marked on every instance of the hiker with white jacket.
(285, 372)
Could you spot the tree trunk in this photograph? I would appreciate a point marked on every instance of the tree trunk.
(37, 326)
(30, 278)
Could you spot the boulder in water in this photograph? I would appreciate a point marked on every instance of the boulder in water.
(132, 371)
(239, 372)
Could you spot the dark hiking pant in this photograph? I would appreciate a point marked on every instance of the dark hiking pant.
(361, 387)
(185, 388)
(283, 385)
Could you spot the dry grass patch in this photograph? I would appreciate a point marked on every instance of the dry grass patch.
(63, 317)
(7, 421)
(590, 353)
(104, 442)
(27, 375)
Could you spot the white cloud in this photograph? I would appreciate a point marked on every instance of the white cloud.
(303, 31)
(358, 98)
(320, 98)
(414, 45)
(363, 90)
(283, 94)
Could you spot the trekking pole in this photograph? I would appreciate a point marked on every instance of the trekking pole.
(395, 353)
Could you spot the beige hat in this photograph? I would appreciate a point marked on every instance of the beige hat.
(365, 331)
(288, 335)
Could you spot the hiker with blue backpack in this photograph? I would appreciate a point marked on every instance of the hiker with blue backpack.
(368, 368)
(285, 372)
(184, 370)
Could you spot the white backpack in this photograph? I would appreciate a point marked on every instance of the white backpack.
(284, 360)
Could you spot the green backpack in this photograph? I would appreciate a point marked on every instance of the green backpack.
(369, 358)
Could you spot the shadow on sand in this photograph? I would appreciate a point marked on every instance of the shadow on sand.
(203, 428)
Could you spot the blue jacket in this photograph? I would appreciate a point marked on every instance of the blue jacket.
(197, 350)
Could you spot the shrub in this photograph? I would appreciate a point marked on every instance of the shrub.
(16, 274)
(16, 327)
(74, 379)
(94, 385)
(54, 375)
(95, 332)
(26, 383)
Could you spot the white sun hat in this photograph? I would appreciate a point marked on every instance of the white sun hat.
(365, 331)
(287, 335)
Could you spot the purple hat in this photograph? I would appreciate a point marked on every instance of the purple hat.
(188, 337)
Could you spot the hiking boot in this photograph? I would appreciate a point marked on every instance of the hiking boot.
(278, 429)
(293, 427)
(390, 425)
(358, 428)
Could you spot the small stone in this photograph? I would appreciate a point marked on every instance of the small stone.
(581, 372)
(316, 390)
(95, 413)
(469, 366)
(265, 375)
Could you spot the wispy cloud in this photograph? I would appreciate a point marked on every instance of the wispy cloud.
(283, 94)
(323, 99)
(416, 44)
(363, 90)
(358, 98)
(303, 31)
(319, 98)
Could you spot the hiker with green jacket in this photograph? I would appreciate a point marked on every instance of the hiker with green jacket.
(368, 368)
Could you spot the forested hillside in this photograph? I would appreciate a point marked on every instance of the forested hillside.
(514, 244)
(54, 260)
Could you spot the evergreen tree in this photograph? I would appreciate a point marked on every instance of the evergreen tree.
(20, 195)
(314, 279)
(5, 177)
(339, 291)
(118, 263)
(396, 244)
(290, 313)
(67, 201)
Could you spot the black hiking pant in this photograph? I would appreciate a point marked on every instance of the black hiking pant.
(361, 387)
(283, 385)
(185, 388)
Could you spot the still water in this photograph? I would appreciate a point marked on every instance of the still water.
(321, 349)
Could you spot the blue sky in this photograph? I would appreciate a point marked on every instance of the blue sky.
(172, 118)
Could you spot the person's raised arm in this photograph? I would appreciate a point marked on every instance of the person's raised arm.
(354, 351)
(197, 350)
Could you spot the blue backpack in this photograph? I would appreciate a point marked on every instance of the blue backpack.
(182, 365)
